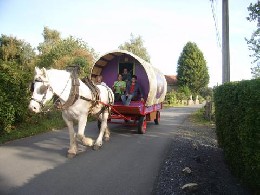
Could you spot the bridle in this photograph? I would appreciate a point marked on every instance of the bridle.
(43, 90)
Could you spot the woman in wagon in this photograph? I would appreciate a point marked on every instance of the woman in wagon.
(119, 87)
(132, 90)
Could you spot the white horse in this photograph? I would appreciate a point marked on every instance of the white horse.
(60, 82)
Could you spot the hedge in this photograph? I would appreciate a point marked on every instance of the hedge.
(14, 95)
(237, 109)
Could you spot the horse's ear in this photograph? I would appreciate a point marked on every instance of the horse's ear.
(44, 72)
(37, 70)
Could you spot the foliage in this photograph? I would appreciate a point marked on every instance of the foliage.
(15, 50)
(171, 98)
(191, 69)
(254, 41)
(183, 93)
(16, 61)
(206, 93)
(50, 38)
(255, 71)
(237, 115)
(136, 46)
(59, 53)
(14, 95)
(33, 125)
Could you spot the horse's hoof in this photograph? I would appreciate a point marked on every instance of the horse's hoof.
(107, 139)
(87, 141)
(96, 147)
(71, 155)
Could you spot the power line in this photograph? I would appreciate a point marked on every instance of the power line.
(213, 10)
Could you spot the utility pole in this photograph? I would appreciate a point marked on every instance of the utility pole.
(225, 43)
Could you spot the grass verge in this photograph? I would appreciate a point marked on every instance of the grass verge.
(199, 119)
(36, 124)
(33, 125)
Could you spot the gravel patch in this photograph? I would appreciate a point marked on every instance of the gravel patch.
(195, 159)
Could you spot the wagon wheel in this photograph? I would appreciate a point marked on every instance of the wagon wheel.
(158, 117)
(142, 125)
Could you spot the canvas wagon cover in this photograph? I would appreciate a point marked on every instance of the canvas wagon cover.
(156, 79)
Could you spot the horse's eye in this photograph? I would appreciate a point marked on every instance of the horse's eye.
(43, 89)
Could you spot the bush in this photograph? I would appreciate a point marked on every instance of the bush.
(237, 113)
(14, 95)
(171, 98)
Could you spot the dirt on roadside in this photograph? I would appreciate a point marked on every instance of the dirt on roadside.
(195, 165)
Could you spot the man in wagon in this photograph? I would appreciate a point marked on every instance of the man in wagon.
(126, 75)
(133, 89)
(119, 87)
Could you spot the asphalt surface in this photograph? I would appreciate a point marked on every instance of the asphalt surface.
(128, 164)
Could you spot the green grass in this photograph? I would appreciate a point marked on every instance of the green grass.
(35, 124)
(198, 118)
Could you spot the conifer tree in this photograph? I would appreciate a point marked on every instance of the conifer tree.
(191, 69)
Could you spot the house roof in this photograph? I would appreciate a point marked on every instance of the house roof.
(171, 79)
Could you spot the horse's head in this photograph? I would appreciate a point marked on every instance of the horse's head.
(41, 90)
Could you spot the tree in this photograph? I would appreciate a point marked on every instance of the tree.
(15, 50)
(50, 37)
(254, 41)
(59, 53)
(136, 46)
(191, 69)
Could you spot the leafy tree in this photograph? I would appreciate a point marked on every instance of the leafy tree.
(59, 53)
(191, 69)
(136, 46)
(207, 93)
(254, 41)
(50, 38)
(15, 50)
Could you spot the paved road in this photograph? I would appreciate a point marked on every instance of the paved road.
(127, 164)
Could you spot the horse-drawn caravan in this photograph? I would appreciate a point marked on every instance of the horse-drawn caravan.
(151, 80)
(78, 99)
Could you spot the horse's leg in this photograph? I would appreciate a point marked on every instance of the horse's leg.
(81, 129)
(107, 131)
(103, 129)
(73, 143)
(107, 134)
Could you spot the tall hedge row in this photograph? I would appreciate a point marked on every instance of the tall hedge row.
(14, 95)
(237, 112)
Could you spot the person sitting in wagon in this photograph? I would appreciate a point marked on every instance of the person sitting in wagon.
(132, 90)
(99, 81)
(119, 87)
(126, 75)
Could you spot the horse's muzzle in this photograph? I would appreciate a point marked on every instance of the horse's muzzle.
(34, 107)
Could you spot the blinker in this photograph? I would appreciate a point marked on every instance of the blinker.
(43, 89)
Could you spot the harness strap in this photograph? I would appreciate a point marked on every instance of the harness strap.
(74, 91)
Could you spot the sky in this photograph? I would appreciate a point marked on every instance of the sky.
(164, 25)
